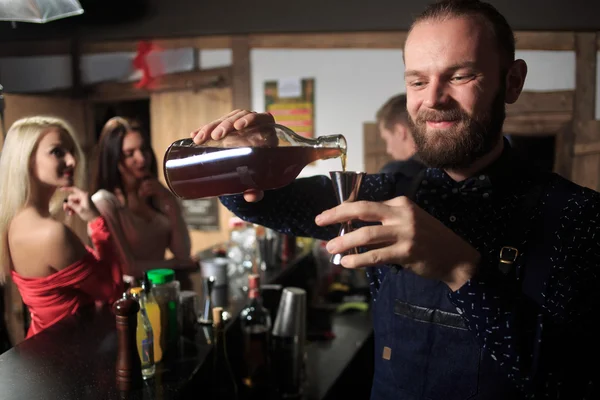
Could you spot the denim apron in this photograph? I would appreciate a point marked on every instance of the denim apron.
(423, 349)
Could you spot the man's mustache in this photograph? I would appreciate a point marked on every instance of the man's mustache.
(439, 116)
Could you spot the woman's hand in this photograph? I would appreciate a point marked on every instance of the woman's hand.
(80, 203)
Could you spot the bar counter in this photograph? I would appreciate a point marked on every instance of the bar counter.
(75, 358)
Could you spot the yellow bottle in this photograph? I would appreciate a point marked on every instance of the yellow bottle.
(144, 335)
(153, 312)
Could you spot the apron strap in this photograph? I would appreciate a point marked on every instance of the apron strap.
(518, 227)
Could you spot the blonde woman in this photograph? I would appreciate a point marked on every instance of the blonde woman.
(57, 275)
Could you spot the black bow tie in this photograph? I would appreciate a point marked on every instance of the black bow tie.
(438, 186)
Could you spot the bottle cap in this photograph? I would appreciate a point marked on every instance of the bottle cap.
(253, 281)
(217, 315)
(136, 290)
(161, 276)
(236, 222)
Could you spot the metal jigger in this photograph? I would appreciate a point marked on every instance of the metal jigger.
(346, 186)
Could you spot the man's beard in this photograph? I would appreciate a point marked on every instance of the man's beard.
(457, 147)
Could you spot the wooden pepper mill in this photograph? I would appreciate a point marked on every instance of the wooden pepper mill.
(129, 366)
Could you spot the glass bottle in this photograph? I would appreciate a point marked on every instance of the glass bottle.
(166, 292)
(255, 321)
(224, 386)
(153, 312)
(263, 157)
(144, 335)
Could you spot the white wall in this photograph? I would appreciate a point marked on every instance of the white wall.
(351, 84)
(549, 70)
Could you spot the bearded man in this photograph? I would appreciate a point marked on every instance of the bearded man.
(490, 289)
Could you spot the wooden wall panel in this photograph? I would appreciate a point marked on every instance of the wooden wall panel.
(173, 116)
(242, 97)
(560, 101)
(374, 155)
(586, 167)
(74, 111)
(188, 80)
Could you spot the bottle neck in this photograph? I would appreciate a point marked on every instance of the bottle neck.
(219, 338)
(140, 300)
(254, 294)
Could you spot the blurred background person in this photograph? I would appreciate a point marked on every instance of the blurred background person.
(56, 274)
(143, 215)
(392, 120)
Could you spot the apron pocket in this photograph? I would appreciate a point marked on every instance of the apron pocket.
(433, 355)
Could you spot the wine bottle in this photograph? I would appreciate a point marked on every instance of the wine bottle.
(224, 386)
(255, 321)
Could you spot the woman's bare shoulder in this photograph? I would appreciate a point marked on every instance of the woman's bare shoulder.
(38, 242)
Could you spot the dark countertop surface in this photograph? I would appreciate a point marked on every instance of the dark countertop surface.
(75, 359)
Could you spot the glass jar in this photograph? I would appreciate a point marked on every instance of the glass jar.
(166, 291)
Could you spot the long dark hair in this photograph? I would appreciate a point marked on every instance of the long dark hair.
(110, 151)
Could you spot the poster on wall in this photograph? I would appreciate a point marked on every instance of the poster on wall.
(291, 101)
(201, 214)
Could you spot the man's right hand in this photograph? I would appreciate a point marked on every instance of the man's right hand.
(235, 120)
(221, 127)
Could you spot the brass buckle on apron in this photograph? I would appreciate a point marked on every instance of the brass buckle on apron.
(508, 255)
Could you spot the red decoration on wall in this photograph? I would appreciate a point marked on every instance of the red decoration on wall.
(141, 62)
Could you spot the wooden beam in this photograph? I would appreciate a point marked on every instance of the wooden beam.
(592, 129)
(55, 47)
(584, 107)
(202, 42)
(587, 148)
(29, 48)
(365, 40)
(531, 40)
(586, 168)
(536, 124)
(526, 40)
(563, 151)
(191, 80)
(242, 97)
(556, 101)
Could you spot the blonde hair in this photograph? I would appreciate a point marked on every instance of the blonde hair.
(16, 175)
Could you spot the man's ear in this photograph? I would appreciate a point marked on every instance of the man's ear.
(515, 79)
(400, 131)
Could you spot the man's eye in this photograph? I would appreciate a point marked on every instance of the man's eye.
(462, 78)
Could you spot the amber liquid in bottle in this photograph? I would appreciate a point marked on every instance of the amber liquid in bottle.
(198, 172)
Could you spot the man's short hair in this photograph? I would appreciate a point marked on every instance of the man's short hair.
(393, 112)
(491, 17)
